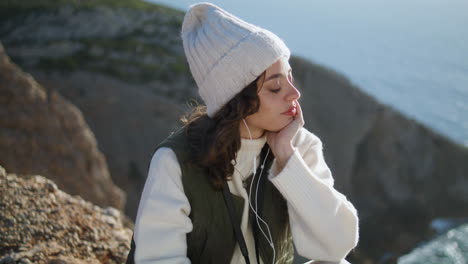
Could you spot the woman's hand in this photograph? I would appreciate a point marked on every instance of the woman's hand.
(281, 142)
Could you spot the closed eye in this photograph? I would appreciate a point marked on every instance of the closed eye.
(275, 90)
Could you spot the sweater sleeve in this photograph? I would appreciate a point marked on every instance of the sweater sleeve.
(323, 222)
(162, 221)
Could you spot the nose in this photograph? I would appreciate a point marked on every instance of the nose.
(293, 93)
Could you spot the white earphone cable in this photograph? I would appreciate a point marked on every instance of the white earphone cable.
(269, 238)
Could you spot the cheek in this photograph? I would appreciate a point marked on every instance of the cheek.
(269, 118)
(268, 104)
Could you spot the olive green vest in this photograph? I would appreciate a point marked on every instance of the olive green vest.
(212, 239)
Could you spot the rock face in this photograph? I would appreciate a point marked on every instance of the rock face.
(134, 80)
(42, 133)
(41, 224)
(120, 63)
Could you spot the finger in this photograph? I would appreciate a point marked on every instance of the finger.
(299, 114)
(298, 109)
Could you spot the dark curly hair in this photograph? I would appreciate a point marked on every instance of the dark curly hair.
(214, 141)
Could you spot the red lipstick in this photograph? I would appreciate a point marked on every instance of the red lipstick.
(290, 112)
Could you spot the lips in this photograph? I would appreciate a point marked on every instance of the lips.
(290, 112)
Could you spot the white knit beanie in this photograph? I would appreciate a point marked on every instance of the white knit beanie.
(225, 53)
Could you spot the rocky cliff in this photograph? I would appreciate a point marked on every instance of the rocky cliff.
(120, 62)
(42, 133)
(41, 224)
(123, 66)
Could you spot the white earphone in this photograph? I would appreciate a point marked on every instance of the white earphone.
(257, 217)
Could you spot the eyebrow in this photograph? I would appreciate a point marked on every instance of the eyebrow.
(276, 75)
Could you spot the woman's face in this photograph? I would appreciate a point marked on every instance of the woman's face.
(278, 99)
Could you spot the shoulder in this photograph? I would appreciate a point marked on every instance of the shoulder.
(178, 143)
(177, 139)
(163, 154)
(164, 159)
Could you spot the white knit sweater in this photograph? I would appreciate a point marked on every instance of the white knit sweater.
(324, 223)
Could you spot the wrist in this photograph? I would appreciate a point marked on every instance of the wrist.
(283, 156)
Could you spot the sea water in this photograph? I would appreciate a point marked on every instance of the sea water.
(449, 248)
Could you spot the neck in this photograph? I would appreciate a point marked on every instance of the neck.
(254, 131)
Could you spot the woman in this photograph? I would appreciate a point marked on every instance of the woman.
(242, 180)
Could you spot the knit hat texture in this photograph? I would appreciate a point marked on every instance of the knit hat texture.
(226, 53)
